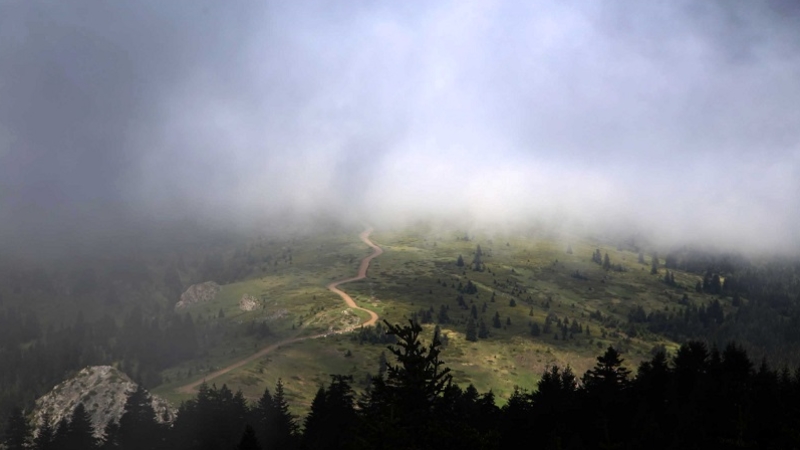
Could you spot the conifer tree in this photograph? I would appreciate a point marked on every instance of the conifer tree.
(138, 428)
(443, 317)
(18, 431)
(80, 433)
(608, 375)
(264, 413)
(483, 330)
(315, 421)
(44, 439)
(400, 410)
(477, 261)
(332, 419)
(110, 436)
(60, 434)
(284, 426)
(472, 332)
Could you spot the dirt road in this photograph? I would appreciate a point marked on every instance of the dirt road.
(191, 388)
(362, 273)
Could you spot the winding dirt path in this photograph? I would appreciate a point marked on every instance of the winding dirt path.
(191, 388)
(362, 273)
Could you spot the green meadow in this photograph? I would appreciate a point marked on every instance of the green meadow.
(522, 279)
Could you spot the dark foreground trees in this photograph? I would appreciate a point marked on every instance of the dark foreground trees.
(700, 398)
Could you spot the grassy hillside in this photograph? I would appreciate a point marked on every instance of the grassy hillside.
(523, 280)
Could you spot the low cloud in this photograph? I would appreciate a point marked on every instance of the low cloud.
(677, 119)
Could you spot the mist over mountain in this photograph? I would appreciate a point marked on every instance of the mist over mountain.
(121, 120)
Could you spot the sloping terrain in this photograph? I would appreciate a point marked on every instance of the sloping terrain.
(534, 300)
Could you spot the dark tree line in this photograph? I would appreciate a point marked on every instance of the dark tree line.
(764, 292)
(700, 398)
(33, 359)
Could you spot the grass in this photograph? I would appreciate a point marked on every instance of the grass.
(418, 272)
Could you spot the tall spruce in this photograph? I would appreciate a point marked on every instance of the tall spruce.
(17, 431)
(138, 428)
(80, 434)
(332, 420)
(279, 426)
(44, 438)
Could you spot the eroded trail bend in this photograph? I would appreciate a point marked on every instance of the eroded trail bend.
(191, 388)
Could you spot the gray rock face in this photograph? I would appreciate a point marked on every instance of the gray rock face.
(198, 293)
(103, 391)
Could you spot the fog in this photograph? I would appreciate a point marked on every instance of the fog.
(678, 119)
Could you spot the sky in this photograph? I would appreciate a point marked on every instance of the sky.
(679, 118)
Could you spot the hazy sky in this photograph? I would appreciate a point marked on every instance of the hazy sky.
(682, 118)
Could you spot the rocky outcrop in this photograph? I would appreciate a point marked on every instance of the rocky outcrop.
(198, 293)
(248, 303)
(103, 391)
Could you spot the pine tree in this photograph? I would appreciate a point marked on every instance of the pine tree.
(419, 373)
(81, 432)
(607, 388)
(138, 428)
(477, 261)
(496, 320)
(483, 330)
(555, 388)
(472, 332)
(443, 317)
(460, 261)
(316, 420)
(18, 431)
(608, 375)
(44, 439)
(285, 423)
(417, 380)
(110, 436)
(332, 419)
(61, 433)
(264, 413)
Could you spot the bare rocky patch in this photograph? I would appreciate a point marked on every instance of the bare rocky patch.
(198, 293)
(103, 390)
(249, 303)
